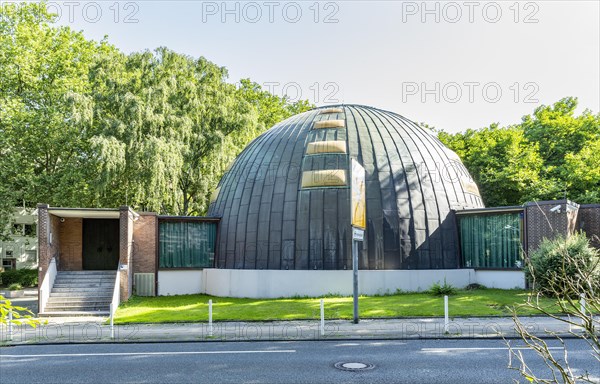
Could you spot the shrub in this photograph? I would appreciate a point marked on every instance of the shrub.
(29, 277)
(562, 267)
(475, 286)
(15, 287)
(25, 277)
(442, 289)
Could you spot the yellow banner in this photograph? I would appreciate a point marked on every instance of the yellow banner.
(359, 202)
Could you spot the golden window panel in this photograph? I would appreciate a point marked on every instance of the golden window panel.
(329, 124)
(331, 146)
(324, 178)
(330, 110)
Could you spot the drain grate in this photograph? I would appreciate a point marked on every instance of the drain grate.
(353, 366)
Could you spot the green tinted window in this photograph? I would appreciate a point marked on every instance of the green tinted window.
(187, 244)
(491, 240)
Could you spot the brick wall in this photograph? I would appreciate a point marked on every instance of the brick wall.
(542, 223)
(588, 221)
(48, 229)
(71, 244)
(145, 243)
(125, 251)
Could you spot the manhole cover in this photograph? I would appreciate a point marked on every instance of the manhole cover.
(353, 366)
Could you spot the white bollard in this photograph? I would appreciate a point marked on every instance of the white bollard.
(10, 325)
(446, 321)
(112, 322)
(210, 325)
(322, 318)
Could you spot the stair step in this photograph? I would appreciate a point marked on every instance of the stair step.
(75, 300)
(82, 289)
(83, 284)
(77, 307)
(81, 274)
(81, 293)
(82, 296)
(74, 313)
(78, 281)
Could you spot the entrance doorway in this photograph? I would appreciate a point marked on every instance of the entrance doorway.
(100, 244)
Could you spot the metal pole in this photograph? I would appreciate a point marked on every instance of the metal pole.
(10, 325)
(322, 318)
(355, 278)
(210, 325)
(446, 321)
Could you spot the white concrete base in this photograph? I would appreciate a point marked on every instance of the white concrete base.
(285, 283)
(253, 283)
(180, 282)
(501, 279)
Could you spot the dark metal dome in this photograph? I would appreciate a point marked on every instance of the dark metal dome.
(279, 212)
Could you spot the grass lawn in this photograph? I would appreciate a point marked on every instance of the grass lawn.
(194, 308)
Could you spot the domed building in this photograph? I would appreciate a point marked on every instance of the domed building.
(284, 203)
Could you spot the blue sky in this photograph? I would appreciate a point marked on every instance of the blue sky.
(454, 65)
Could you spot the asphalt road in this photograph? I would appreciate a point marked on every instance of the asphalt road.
(417, 361)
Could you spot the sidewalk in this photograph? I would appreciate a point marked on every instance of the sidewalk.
(94, 330)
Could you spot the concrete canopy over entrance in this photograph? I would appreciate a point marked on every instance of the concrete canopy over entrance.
(87, 213)
(77, 239)
(88, 239)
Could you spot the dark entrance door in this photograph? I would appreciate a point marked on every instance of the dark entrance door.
(100, 244)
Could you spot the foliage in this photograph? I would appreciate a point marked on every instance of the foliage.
(558, 262)
(15, 287)
(549, 155)
(475, 286)
(20, 315)
(571, 274)
(24, 277)
(438, 289)
(194, 308)
(83, 124)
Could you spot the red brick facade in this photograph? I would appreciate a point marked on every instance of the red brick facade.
(588, 220)
(70, 234)
(145, 243)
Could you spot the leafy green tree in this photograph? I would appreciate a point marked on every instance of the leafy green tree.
(549, 155)
(560, 135)
(82, 124)
(503, 163)
(43, 83)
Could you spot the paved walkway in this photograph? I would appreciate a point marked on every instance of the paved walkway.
(94, 329)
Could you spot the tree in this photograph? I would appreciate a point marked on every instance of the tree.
(502, 162)
(82, 124)
(20, 315)
(43, 84)
(561, 135)
(560, 280)
(551, 154)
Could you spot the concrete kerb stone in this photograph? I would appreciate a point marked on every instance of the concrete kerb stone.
(94, 330)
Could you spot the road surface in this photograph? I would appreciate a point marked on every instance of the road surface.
(412, 361)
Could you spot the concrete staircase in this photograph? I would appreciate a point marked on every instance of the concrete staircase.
(81, 293)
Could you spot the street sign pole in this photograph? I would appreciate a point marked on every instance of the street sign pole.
(355, 278)
(358, 223)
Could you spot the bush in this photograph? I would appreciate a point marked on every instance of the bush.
(24, 277)
(15, 287)
(475, 287)
(561, 266)
(442, 289)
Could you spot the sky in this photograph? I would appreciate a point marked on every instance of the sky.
(452, 65)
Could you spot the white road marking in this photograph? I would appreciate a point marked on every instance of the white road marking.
(476, 349)
(145, 353)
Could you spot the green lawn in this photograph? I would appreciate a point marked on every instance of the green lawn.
(194, 308)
